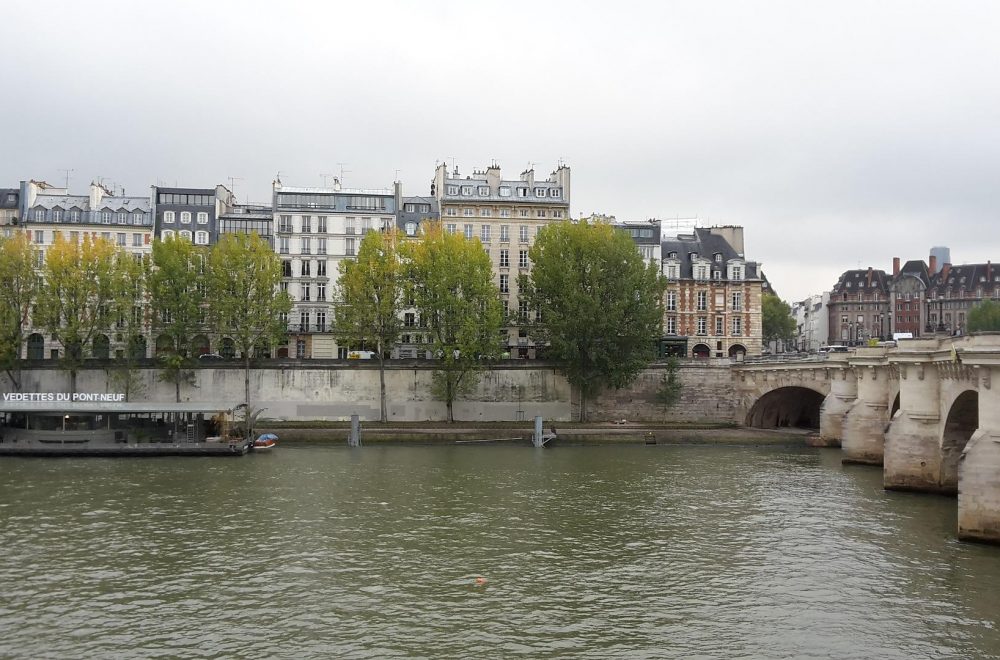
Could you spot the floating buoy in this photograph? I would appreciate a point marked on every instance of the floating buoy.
(480, 581)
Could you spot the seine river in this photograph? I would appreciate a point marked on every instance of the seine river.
(589, 552)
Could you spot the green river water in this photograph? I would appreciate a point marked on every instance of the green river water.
(592, 552)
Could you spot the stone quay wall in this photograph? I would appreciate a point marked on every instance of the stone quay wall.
(335, 390)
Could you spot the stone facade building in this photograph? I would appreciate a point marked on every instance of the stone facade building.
(907, 296)
(859, 307)
(812, 322)
(712, 305)
(505, 215)
(954, 290)
(314, 230)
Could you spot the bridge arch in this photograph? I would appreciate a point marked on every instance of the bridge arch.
(791, 406)
(961, 423)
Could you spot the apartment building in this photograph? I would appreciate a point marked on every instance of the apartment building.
(712, 304)
(314, 230)
(505, 215)
(190, 213)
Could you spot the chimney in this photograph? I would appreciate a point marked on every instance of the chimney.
(895, 266)
(932, 266)
(945, 269)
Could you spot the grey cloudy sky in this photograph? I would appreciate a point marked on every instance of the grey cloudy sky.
(839, 134)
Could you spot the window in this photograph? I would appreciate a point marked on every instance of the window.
(557, 214)
(166, 233)
(306, 245)
(736, 273)
(185, 217)
(702, 325)
(348, 225)
(74, 215)
(671, 301)
(284, 287)
(321, 292)
(321, 224)
(522, 259)
(702, 301)
(106, 235)
(321, 246)
(523, 213)
(468, 213)
(505, 258)
(39, 258)
(555, 192)
(121, 238)
(307, 224)
(466, 190)
(522, 192)
(321, 268)
(306, 290)
(409, 320)
(485, 213)
(504, 233)
(306, 268)
(505, 191)
(411, 228)
(484, 233)
(504, 213)
(736, 301)
(718, 325)
(304, 326)
(139, 219)
(672, 271)
(321, 321)
(185, 234)
(523, 233)
(451, 211)
(468, 232)
(286, 268)
(349, 247)
(366, 225)
(522, 311)
(484, 191)
(671, 325)
(504, 283)
(452, 190)
(285, 223)
(451, 228)
(701, 272)
(39, 236)
(201, 238)
(202, 218)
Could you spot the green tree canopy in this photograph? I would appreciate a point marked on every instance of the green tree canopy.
(17, 296)
(177, 294)
(371, 299)
(131, 320)
(600, 304)
(776, 319)
(984, 317)
(82, 286)
(454, 294)
(244, 301)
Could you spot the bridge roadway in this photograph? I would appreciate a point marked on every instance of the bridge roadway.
(926, 411)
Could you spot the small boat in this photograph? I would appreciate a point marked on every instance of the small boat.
(265, 441)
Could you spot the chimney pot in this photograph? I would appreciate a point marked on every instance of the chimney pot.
(895, 266)
(932, 266)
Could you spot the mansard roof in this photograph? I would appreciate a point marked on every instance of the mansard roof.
(862, 279)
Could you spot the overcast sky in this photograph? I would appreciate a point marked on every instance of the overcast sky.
(838, 134)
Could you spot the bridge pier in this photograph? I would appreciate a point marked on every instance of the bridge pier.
(979, 465)
(864, 425)
(912, 459)
(843, 393)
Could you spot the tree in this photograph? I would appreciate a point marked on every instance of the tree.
(131, 322)
(669, 391)
(17, 296)
(244, 301)
(371, 299)
(599, 302)
(177, 293)
(778, 323)
(82, 283)
(984, 317)
(454, 294)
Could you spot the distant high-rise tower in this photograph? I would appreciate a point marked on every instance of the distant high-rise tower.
(942, 256)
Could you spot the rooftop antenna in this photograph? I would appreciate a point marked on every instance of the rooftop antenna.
(67, 172)
(454, 167)
(232, 185)
(342, 171)
(396, 177)
(326, 179)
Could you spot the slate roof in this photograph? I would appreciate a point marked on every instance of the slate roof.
(967, 277)
(5, 194)
(403, 216)
(704, 244)
(865, 279)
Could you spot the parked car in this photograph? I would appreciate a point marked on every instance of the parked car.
(210, 357)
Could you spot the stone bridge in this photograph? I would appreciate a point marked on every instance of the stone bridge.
(926, 411)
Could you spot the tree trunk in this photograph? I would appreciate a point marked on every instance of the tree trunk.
(72, 383)
(583, 405)
(450, 399)
(246, 391)
(381, 383)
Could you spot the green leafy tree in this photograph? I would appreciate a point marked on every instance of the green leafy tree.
(177, 293)
(984, 317)
(82, 284)
(17, 296)
(371, 299)
(454, 294)
(131, 323)
(776, 318)
(245, 304)
(600, 304)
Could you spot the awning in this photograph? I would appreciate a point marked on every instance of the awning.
(105, 407)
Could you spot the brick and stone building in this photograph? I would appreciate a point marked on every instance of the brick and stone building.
(954, 290)
(907, 296)
(712, 304)
(859, 307)
(505, 215)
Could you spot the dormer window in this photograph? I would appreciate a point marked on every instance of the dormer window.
(452, 190)
(505, 191)
(484, 191)
(555, 192)
(718, 258)
(522, 192)
(672, 255)
(701, 271)
(539, 192)
(466, 190)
